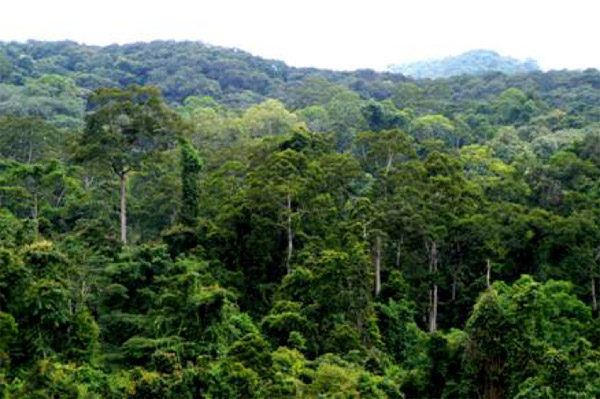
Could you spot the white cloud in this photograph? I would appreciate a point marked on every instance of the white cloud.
(327, 33)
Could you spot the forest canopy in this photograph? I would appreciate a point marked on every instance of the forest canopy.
(179, 220)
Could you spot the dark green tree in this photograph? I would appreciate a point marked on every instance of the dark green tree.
(123, 129)
(191, 165)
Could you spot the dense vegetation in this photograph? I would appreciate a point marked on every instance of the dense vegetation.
(475, 62)
(263, 231)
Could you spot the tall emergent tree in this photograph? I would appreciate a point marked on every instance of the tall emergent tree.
(123, 128)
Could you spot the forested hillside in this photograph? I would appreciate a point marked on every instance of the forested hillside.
(475, 62)
(179, 220)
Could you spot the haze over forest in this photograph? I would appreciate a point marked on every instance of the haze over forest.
(183, 220)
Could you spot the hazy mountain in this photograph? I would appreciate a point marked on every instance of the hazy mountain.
(474, 62)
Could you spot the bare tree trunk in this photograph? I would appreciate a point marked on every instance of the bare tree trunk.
(377, 264)
(30, 155)
(399, 251)
(488, 274)
(290, 235)
(433, 296)
(434, 309)
(87, 182)
(60, 197)
(123, 183)
(388, 166)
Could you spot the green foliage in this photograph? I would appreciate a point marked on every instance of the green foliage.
(400, 334)
(314, 234)
(124, 127)
(191, 164)
(28, 140)
(285, 323)
(542, 321)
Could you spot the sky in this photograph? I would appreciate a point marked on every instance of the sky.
(331, 34)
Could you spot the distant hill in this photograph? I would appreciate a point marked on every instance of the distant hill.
(180, 69)
(51, 80)
(476, 62)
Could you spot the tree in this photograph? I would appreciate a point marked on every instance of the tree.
(384, 115)
(279, 183)
(346, 117)
(191, 164)
(488, 346)
(28, 140)
(123, 129)
(514, 106)
(527, 331)
(37, 190)
(268, 119)
(449, 197)
(315, 117)
(432, 127)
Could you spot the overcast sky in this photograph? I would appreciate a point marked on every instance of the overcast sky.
(327, 33)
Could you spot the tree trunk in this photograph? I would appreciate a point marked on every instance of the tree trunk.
(388, 166)
(594, 298)
(123, 184)
(87, 182)
(434, 310)
(488, 274)
(290, 235)
(456, 273)
(399, 251)
(493, 380)
(30, 154)
(377, 264)
(433, 295)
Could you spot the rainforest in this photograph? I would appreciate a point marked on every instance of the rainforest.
(185, 221)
